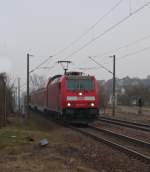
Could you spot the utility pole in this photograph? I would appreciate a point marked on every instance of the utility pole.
(5, 103)
(114, 84)
(27, 108)
(114, 79)
(28, 88)
(19, 94)
(112, 73)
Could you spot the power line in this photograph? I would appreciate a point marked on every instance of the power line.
(47, 67)
(117, 49)
(109, 29)
(126, 45)
(82, 35)
(93, 26)
(129, 54)
(134, 53)
(37, 67)
(118, 59)
(103, 67)
(97, 37)
(88, 68)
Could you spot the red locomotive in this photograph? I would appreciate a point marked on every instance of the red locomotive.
(74, 96)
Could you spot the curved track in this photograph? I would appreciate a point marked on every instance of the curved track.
(133, 147)
(128, 124)
(112, 139)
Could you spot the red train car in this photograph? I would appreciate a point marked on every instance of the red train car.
(74, 96)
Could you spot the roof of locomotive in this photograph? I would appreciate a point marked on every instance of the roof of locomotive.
(77, 75)
(59, 78)
(69, 75)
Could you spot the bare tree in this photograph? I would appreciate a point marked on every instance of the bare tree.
(37, 82)
(6, 99)
(103, 96)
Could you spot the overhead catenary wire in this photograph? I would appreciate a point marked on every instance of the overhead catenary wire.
(45, 67)
(88, 68)
(124, 56)
(80, 36)
(99, 64)
(108, 30)
(126, 45)
(37, 67)
(102, 66)
(116, 49)
(134, 53)
(118, 59)
(100, 35)
(129, 54)
(92, 26)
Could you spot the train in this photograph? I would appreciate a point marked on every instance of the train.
(73, 97)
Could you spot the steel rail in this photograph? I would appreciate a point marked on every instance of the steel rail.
(128, 124)
(119, 147)
(122, 136)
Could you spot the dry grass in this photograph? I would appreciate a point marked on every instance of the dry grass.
(18, 153)
(67, 150)
(130, 114)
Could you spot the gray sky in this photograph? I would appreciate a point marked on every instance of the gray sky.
(43, 27)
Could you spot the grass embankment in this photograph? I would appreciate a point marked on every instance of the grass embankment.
(19, 145)
(20, 150)
(17, 132)
(67, 151)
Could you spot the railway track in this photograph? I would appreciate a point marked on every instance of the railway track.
(109, 138)
(131, 146)
(128, 124)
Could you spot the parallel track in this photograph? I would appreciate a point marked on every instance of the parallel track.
(128, 124)
(122, 136)
(107, 141)
(104, 136)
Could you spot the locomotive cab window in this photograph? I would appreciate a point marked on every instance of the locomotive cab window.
(80, 84)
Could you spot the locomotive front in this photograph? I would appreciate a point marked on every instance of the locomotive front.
(81, 98)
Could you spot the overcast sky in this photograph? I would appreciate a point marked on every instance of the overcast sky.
(43, 27)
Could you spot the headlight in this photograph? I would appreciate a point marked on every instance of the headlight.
(68, 104)
(80, 94)
(92, 104)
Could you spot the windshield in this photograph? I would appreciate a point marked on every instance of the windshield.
(80, 84)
